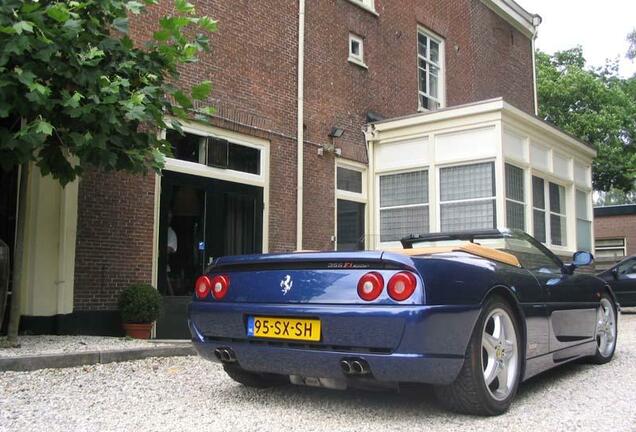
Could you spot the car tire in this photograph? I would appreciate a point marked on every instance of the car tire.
(253, 379)
(469, 393)
(606, 326)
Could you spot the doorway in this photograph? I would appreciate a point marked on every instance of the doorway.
(8, 212)
(200, 219)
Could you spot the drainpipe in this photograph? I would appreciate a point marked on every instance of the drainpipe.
(300, 137)
(536, 22)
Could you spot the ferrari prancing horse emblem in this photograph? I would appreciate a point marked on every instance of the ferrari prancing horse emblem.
(286, 284)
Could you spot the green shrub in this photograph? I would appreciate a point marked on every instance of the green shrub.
(140, 303)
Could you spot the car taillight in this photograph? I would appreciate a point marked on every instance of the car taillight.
(220, 285)
(202, 287)
(401, 286)
(370, 286)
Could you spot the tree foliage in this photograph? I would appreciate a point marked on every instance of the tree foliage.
(75, 90)
(631, 51)
(598, 106)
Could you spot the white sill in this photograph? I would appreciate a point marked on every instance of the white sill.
(357, 62)
(363, 6)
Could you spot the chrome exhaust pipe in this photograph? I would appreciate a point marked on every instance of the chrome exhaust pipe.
(346, 367)
(231, 357)
(217, 354)
(358, 367)
(225, 355)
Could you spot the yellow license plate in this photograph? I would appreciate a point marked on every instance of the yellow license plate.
(283, 328)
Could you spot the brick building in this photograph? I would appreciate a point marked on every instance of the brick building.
(615, 234)
(284, 73)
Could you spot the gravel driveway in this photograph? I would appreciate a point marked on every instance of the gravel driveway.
(173, 394)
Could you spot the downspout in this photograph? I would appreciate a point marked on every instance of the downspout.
(300, 135)
(536, 22)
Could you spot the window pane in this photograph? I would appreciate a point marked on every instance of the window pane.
(557, 230)
(184, 147)
(246, 159)
(530, 256)
(434, 82)
(467, 182)
(468, 216)
(349, 180)
(583, 235)
(610, 242)
(539, 225)
(434, 52)
(404, 189)
(350, 224)
(355, 48)
(421, 44)
(538, 193)
(609, 254)
(515, 214)
(514, 183)
(395, 224)
(422, 81)
(557, 198)
(582, 203)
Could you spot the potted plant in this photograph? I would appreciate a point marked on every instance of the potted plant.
(139, 305)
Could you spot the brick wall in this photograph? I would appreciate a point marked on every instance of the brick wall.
(252, 65)
(485, 58)
(114, 237)
(617, 227)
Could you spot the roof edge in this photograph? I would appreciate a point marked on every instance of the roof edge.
(516, 15)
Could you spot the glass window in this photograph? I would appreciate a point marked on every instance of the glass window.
(186, 147)
(515, 198)
(430, 70)
(227, 155)
(628, 269)
(350, 235)
(356, 49)
(467, 195)
(349, 180)
(530, 256)
(583, 222)
(538, 208)
(610, 249)
(558, 230)
(403, 205)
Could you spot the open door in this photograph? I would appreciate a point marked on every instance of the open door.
(200, 219)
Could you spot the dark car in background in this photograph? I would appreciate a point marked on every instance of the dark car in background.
(622, 278)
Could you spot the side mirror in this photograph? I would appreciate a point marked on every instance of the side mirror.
(582, 259)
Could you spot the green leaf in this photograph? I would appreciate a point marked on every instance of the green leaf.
(184, 6)
(162, 35)
(21, 26)
(43, 127)
(58, 12)
(207, 23)
(182, 99)
(202, 91)
(121, 24)
(134, 7)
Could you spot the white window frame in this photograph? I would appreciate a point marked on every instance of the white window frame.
(441, 79)
(474, 200)
(611, 248)
(547, 212)
(561, 215)
(368, 5)
(525, 195)
(357, 59)
(361, 197)
(588, 215)
(378, 224)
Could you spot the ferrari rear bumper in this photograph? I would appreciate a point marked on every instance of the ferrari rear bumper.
(423, 344)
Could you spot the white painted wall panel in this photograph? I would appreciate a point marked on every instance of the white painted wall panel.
(561, 166)
(539, 157)
(514, 146)
(403, 154)
(466, 145)
(580, 174)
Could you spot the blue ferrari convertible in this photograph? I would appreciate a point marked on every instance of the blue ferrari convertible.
(472, 313)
